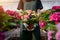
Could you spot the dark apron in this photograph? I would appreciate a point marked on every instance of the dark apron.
(29, 35)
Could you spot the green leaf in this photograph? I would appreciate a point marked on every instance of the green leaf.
(12, 24)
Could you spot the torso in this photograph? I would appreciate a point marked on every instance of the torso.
(31, 5)
(28, 0)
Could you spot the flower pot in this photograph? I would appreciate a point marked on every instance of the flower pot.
(30, 26)
(43, 35)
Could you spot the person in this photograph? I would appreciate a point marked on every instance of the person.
(35, 5)
(30, 5)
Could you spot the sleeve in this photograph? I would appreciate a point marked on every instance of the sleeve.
(39, 4)
(20, 5)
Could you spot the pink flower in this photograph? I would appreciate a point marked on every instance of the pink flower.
(58, 26)
(26, 16)
(57, 35)
(58, 32)
(29, 11)
(50, 33)
(18, 16)
(55, 17)
(13, 14)
(50, 17)
(10, 13)
(42, 24)
(55, 7)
